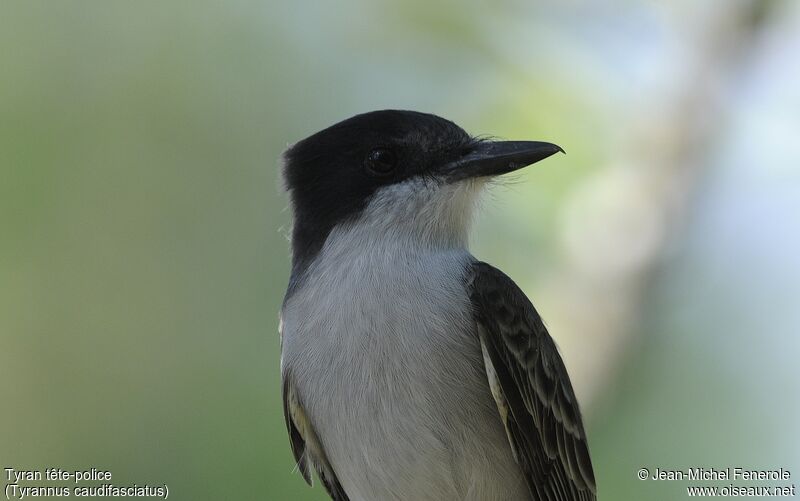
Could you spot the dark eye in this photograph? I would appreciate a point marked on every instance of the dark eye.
(381, 161)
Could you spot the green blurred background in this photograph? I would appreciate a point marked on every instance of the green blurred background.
(143, 231)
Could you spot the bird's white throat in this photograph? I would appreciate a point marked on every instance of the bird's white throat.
(420, 212)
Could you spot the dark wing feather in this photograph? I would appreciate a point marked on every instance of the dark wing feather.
(531, 386)
(306, 447)
(297, 441)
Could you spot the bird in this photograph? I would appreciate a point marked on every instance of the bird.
(410, 369)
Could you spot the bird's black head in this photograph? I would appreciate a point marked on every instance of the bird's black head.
(332, 175)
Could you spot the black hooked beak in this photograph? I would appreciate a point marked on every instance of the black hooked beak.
(493, 158)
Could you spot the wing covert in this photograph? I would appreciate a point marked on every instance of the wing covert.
(532, 389)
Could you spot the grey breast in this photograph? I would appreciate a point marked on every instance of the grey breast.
(386, 360)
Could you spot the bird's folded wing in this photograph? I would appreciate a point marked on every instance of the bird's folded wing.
(306, 447)
(532, 389)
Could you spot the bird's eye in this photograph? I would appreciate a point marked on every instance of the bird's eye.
(381, 161)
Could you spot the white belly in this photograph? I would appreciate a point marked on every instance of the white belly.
(385, 360)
